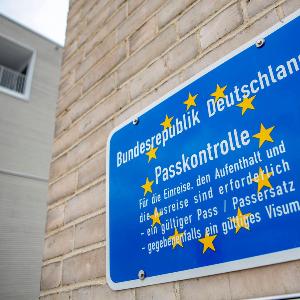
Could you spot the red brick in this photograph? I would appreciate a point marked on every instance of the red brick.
(158, 291)
(82, 294)
(290, 6)
(70, 64)
(86, 202)
(62, 123)
(266, 281)
(143, 34)
(64, 187)
(146, 54)
(90, 231)
(59, 243)
(57, 296)
(67, 84)
(51, 276)
(105, 292)
(100, 91)
(148, 78)
(256, 6)
(55, 217)
(212, 287)
(219, 26)
(73, 95)
(89, 146)
(69, 49)
(92, 170)
(170, 11)
(102, 14)
(96, 55)
(106, 30)
(59, 167)
(133, 4)
(127, 113)
(137, 18)
(186, 51)
(97, 11)
(160, 91)
(83, 267)
(91, 120)
(108, 62)
(199, 13)
(231, 44)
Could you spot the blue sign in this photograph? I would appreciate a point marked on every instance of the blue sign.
(207, 179)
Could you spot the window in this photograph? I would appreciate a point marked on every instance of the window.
(16, 68)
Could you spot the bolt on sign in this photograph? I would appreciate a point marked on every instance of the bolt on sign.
(206, 180)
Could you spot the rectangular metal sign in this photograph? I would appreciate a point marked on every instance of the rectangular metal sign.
(206, 180)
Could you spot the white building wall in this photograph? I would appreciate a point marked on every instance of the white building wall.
(26, 131)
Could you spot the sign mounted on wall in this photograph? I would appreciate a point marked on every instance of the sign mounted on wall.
(207, 179)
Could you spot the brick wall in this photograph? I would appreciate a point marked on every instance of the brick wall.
(120, 56)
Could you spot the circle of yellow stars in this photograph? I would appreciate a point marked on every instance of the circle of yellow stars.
(147, 186)
(219, 92)
(207, 242)
(264, 135)
(262, 179)
(190, 101)
(155, 217)
(151, 154)
(246, 104)
(167, 122)
(240, 220)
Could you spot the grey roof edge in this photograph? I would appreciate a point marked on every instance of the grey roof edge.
(31, 30)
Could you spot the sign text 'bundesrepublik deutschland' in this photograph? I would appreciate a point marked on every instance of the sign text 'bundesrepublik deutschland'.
(207, 180)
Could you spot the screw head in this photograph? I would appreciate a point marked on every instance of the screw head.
(135, 121)
(259, 43)
(141, 275)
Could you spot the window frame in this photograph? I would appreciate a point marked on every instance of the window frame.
(29, 76)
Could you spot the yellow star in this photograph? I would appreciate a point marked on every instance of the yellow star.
(167, 122)
(240, 221)
(176, 239)
(190, 101)
(207, 242)
(155, 217)
(264, 134)
(219, 93)
(262, 180)
(151, 154)
(246, 104)
(147, 186)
